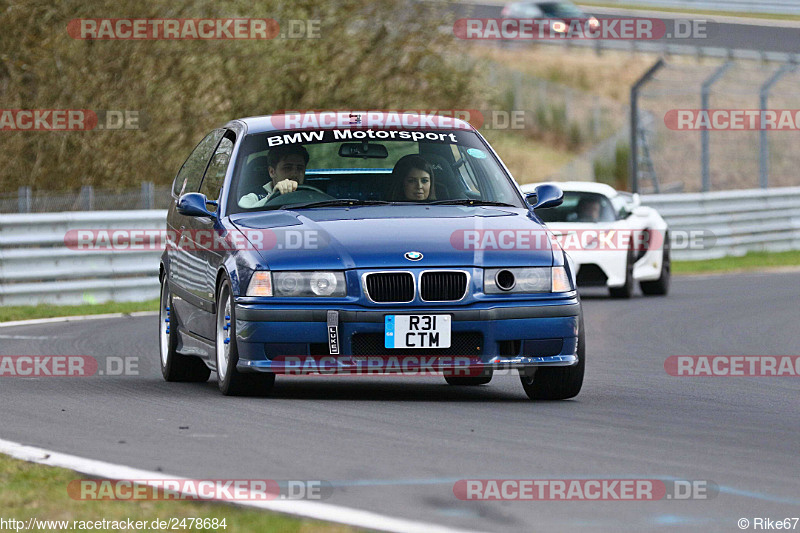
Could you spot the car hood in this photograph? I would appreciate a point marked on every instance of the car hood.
(379, 237)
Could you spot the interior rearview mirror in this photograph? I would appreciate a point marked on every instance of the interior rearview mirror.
(364, 150)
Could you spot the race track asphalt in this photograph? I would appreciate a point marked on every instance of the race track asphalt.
(762, 36)
(396, 445)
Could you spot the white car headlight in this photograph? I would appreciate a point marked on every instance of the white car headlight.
(297, 284)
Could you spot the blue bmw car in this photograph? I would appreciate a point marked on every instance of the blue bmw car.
(352, 242)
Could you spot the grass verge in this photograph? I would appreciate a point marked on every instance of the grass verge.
(528, 160)
(35, 491)
(28, 312)
(609, 75)
(750, 262)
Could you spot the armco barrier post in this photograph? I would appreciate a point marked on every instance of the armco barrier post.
(87, 198)
(148, 195)
(25, 202)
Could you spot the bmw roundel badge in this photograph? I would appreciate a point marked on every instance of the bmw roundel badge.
(413, 256)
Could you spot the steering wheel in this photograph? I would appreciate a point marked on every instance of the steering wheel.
(277, 192)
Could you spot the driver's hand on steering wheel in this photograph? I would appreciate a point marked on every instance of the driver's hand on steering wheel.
(286, 186)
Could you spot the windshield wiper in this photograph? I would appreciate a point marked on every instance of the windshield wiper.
(335, 203)
(470, 201)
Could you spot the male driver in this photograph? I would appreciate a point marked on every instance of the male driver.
(589, 210)
(287, 169)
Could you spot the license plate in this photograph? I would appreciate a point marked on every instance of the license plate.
(417, 331)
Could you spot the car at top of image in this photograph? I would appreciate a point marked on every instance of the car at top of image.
(348, 240)
(637, 245)
(559, 14)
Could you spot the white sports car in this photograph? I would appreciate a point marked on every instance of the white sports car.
(613, 240)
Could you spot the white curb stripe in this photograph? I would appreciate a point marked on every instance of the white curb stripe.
(308, 509)
(58, 319)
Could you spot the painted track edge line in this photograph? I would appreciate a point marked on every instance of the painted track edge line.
(57, 319)
(306, 509)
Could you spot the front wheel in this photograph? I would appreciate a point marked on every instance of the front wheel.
(231, 381)
(175, 366)
(660, 286)
(626, 291)
(557, 382)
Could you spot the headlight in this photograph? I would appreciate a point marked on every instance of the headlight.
(525, 280)
(298, 284)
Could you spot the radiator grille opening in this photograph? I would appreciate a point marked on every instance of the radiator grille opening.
(390, 287)
(443, 286)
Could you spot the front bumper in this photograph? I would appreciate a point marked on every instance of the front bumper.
(510, 336)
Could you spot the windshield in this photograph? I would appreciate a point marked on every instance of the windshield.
(560, 10)
(324, 168)
(580, 207)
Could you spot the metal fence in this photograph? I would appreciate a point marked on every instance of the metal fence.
(722, 159)
(147, 196)
(731, 223)
(37, 265)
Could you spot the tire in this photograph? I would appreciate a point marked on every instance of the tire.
(557, 382)
(660, 286)
(231, 381)
(626, 291)
(471, 381)
(175, 366)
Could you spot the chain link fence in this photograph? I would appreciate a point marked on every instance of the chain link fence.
(702, 158)
(147, 196)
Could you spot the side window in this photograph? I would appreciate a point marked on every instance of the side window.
(215, 174)
(188, 178)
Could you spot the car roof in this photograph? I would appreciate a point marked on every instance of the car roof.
(577, 186)
(311, 119)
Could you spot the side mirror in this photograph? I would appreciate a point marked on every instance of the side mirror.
(640, 211)
(546, 195)
(193, 204)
